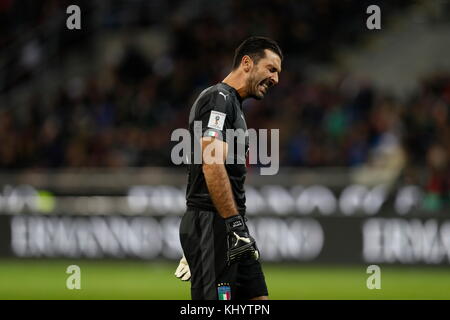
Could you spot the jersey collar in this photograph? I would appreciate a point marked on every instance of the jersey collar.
(234, 91)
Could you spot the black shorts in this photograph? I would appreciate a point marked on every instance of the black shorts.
(203, 238)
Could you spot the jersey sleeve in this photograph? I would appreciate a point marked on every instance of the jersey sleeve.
(216, 115)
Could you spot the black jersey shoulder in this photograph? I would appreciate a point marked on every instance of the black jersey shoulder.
(219, 97)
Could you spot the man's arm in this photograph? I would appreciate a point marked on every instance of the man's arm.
(240, 244)
(216, 176)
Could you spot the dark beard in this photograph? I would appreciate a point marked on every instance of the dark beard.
(253, 85)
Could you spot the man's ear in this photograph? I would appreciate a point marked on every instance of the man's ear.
(247, 63)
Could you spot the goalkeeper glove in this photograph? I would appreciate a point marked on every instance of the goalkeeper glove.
(183, 272)
(241, 245)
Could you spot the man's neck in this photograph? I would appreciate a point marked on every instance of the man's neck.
(236, 81)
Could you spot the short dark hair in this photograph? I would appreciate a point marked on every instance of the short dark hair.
(254, 48)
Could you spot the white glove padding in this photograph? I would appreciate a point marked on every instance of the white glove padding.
(183, 272)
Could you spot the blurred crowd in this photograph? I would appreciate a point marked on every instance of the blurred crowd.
(127, 122)
(123, 115)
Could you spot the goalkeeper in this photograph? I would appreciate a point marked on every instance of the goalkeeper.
(220, 255)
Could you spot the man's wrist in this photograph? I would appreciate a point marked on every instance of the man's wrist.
(234, 222)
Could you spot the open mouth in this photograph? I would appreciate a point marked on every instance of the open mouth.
(264, 86)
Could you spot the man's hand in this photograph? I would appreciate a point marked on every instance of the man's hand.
(241, 245)
(183, 272)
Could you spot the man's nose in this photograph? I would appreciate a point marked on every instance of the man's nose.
(274, 78)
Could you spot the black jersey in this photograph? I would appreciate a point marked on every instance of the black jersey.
(218, 108)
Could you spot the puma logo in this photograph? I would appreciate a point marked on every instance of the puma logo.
(224, 95)
(238, 238)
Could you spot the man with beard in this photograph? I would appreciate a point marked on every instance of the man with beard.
(220, 256)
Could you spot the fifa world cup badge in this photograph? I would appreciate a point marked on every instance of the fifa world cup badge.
(224, 291)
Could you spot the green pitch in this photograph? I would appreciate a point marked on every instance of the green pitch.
(33, 279)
